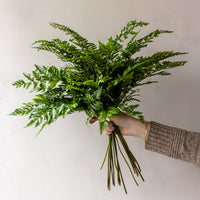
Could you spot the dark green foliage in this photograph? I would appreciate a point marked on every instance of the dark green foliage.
(100, 80)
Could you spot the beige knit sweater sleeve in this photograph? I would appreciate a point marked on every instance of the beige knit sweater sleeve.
(174, 142)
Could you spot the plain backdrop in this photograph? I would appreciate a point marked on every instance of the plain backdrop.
(64, 161)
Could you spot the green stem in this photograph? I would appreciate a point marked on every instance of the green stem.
(105, 156)
(116, 160)
(108, 180)
(113, 160)
(126, 162)
(118, 166)
(132, 159)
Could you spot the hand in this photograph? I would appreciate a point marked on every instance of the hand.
(127, 124)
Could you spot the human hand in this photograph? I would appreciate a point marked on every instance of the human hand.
(127, 124)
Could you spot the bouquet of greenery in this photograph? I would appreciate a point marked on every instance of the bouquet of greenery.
(101, 80)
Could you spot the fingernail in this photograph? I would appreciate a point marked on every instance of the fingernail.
(112, 128)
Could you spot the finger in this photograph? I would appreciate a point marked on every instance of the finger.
(110, 124)
(107, 132)
(94, 119)
(109, 129)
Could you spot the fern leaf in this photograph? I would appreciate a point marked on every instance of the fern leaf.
(75, 37)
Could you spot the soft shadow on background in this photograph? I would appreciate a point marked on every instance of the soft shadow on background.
(64, 161)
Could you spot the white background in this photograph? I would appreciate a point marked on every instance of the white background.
(64, 161)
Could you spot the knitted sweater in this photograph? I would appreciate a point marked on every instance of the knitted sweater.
(174, 142)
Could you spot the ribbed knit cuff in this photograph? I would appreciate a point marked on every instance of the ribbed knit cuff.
(164, 139)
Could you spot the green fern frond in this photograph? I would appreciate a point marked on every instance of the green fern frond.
(75, 37)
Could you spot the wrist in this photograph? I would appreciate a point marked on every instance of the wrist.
(148, 125)
(142, 130)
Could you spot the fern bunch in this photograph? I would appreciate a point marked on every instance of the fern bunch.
(100, 80)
